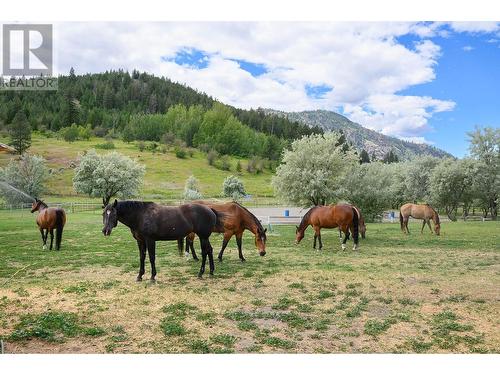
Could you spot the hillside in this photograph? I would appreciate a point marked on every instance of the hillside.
(359, 136)
(165, 173)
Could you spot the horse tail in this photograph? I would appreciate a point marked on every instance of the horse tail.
(180, 244)
(401, 220)
(219, 223)
(355, 223)
(60, 220)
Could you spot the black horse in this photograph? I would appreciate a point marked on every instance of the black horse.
(150, 222)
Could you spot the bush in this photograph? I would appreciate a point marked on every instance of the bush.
(255, 165)
(85, 132)
(141, 146)
(168, 138)
(100, 131)
(233, 188)
(163, 149)
(212, 156)
(238, 167)
(106, 145)
(70, 134)
(225, 163)
(180, 152)
(204, 147)
(152, 147)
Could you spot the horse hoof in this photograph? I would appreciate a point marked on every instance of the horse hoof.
(200, 276)
(196, 259)
(343, 247)
(44, 247)
(138, 279)
(220, 259)
(243, 259)
(152, 281)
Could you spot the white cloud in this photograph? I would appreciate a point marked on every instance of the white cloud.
(467, 48)
(363, 62)
(475, 27)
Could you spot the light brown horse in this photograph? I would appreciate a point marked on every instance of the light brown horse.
(419, 211)
(236, 219)
(343, 216)
(49, 219)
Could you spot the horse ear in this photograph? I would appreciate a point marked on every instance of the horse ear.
(115, 203)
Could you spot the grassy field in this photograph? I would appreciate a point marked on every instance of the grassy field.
(165, 173)
(398, 294)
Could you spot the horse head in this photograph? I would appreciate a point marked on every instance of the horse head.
(109, 218)
(299, 235)
(35, 206)
(260, 241)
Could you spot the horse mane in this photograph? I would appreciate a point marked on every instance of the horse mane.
(257, 221)
(435, 213)
(306, 217)
(131, 205)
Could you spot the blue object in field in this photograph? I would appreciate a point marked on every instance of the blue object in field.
(287, 213)
(392, 215)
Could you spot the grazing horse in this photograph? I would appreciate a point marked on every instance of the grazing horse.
(150, 222)
(343, 216)
(236, 219)
(419, 211)
(49, 219)
(362, 224)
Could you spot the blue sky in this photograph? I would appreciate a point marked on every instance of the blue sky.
(426, 82)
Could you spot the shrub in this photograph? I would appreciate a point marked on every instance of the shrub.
(212, 156)
(225, 163)
(180, 152)
(100, 131)
(233, 188)
(141, 146)
(106, 145)
(168, 138)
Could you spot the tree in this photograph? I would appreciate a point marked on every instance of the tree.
(390, 157)
(232, 187)
(108, 175)
(20, 133)
(364, 157)
(417, 179)
(451, 185)
(485, 147)
(310, 171)
(191, 189)
(27, 174)
(71, 110)
(369, 186)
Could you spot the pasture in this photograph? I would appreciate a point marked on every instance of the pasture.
(398, 294)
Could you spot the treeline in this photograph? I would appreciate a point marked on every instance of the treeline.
(112, 100)
(214, 129)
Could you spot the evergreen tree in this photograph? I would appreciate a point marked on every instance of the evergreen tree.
(20, 133)
(390, 157)
(71, 110)
(364, 157)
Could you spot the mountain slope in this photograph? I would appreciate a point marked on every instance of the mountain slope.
(362, 138)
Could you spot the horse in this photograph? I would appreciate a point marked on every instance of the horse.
(236, 219)
(362, 225)
(343, 216)
(49, 219)
(150, 222)
(419, 211)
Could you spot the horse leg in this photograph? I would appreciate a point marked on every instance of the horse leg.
(423, 225)
(429, 224)
(210, 257)
(346, 231)
(43, 239)
(152, 257)
(319, 239)
(314, 242)
(51, 238)
(204, 252)
(142, 257)
(191, 246)
(406, 220)
(227, 237)
(238, 242)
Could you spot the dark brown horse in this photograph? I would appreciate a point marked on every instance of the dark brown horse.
(150, 222)
(47, 220)
(236, 219)
(362, 224)
(419, 211)
(343, 216)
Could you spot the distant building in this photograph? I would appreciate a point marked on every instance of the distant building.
(7, 149)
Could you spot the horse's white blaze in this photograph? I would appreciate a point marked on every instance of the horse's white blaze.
(108, 212)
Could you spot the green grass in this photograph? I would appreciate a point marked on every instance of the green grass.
(294, 299)
(165, 173)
